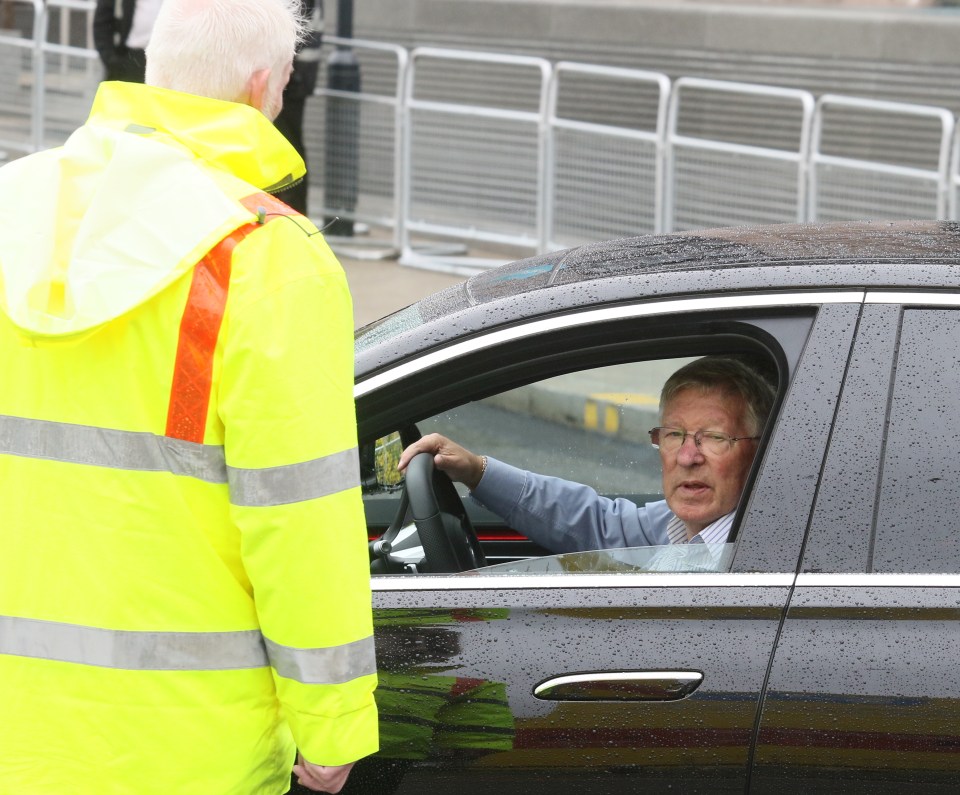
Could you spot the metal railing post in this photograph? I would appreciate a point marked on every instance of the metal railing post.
(342, 150)
(38, 98)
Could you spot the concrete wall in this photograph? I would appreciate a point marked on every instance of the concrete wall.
(901, 54)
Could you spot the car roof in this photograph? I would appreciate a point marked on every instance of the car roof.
(879, 254)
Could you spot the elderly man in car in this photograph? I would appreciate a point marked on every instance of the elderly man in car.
(712, 413)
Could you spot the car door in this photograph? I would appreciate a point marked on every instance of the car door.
(589, 681)
(864, 693)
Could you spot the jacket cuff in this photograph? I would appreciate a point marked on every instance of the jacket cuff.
(336, 741)
(500, 487)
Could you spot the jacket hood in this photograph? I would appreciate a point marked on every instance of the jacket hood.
(129, 203)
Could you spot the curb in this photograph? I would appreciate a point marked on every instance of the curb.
(620, 415)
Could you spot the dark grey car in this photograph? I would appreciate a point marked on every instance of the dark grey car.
(821, 653)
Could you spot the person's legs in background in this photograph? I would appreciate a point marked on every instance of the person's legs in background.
(290, 123)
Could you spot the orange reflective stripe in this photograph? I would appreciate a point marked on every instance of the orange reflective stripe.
(200, 325)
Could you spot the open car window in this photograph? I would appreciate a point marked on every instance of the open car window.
(590, 427)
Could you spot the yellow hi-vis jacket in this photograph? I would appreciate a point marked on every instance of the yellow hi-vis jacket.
(184, 581)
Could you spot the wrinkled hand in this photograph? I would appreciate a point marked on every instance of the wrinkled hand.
(321, 778)
(458, 462)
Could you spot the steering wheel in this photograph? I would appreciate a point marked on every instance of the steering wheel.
(449, 541)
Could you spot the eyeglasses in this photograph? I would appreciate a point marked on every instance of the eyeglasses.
(712, 443)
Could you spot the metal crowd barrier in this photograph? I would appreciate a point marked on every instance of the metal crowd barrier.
(373, 116)
(603, 179)
(714, 181)
(953, 202)
(69, 72)
(473, 162)
(51, 82)
(460, 152)
(20, 105)
(846, 188)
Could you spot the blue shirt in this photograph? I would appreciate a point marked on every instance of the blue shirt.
(564, 516)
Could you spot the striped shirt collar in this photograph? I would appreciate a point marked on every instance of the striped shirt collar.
(714, 533)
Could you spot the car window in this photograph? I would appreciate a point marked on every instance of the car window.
(918, 504)
(591, 427)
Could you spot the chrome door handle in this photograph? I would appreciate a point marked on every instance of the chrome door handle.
(620, 686)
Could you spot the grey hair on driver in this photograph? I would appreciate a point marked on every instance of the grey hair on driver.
(212, 47)
(728, 374)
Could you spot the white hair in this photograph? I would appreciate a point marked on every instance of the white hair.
(213, 47)
(738, 376)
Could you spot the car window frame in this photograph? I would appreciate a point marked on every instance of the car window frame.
(414, 376)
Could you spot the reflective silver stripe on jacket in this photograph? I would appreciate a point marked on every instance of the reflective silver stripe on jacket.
(295, 482)
(104, 447)
(134, 651)
(182, 651)
(329, 666)
(148, 452)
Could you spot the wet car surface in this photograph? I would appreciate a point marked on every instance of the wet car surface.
(818, 652)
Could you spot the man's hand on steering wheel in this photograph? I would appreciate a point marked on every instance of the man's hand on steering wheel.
(457, 462)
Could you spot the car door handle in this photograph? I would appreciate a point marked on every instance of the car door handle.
(620, 686)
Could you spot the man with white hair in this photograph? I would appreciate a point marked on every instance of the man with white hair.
(184, 576)
(712, 414)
